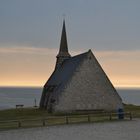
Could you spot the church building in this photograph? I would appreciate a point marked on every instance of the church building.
(78, 83)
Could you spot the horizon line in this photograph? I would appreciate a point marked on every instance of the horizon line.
(37, 86)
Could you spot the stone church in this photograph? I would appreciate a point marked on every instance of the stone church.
(78, 83)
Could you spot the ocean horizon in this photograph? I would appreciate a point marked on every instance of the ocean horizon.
(12, 96)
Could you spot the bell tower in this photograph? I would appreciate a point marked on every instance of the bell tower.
(63, 50)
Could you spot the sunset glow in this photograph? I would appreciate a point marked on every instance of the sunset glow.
(33, 66)
(31, 31)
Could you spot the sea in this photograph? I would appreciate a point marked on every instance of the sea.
(30, 96)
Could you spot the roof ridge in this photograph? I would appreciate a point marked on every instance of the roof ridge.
(80, 54)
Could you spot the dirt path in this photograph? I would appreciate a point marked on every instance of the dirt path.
(127, 130)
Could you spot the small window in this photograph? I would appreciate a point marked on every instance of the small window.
(50, 88)
(52, 100)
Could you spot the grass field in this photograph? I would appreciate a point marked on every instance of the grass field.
(135, 110)
(33, 117)
(22, 113)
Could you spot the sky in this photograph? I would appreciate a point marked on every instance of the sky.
(30, 32)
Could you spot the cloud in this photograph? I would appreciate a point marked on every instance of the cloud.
(21, 49)
(27, 50)
(28, 65)
(113, 54)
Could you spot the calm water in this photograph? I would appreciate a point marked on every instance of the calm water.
(9, 97)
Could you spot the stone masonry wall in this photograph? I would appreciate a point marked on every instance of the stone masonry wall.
(88, 89)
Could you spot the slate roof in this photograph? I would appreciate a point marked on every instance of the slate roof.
(65, 69)
(63, 73)
(61, 76)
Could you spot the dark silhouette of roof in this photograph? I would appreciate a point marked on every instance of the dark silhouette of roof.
(63, 73)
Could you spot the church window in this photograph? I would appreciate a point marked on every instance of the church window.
(52, 100)
(50, 88)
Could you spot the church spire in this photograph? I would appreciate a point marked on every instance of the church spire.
(63, 50)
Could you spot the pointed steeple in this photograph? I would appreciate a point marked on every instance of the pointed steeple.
(63, 50)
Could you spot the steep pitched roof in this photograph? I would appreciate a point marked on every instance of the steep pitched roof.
(63, 73)
(60, 77)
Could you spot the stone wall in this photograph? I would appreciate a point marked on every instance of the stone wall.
(88, 89)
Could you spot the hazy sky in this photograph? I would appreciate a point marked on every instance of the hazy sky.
(30, 36)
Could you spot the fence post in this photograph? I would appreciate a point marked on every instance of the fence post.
(67, 120)
(88, 118)
(43, 122)
(19, 124)
(110, 116)
(130, 116)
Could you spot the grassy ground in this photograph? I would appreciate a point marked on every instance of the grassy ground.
(22, 113)
(35, 113)
(32, 117)
(135, 110)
